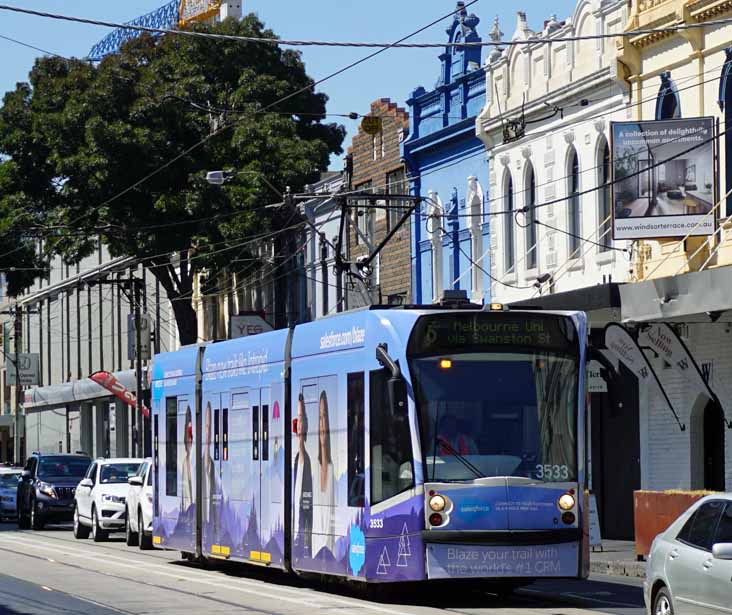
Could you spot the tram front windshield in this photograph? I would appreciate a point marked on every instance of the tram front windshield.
(500, 413)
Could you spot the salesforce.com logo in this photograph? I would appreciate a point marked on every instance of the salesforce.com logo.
(476, 508)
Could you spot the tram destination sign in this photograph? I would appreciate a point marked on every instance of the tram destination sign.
(491, 331)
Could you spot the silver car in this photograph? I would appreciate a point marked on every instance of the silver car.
(690, 564)
(8, 491)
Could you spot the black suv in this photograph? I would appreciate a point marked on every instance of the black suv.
(46, 488)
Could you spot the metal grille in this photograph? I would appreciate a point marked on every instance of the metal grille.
(65, 493)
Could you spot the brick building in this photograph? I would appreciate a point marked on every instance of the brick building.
(377, 168)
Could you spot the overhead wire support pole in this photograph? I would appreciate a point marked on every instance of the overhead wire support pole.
(18, 322)
(135, 282)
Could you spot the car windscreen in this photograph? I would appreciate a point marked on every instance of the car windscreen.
(9, 480)
(112, 473)
(63, 467)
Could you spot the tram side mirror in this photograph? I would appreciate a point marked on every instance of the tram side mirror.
(397, 396)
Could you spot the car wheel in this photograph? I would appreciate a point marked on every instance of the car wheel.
(81, 532)
(663, 605)
(145, 539)
(131, 538)
(23, 521)
(36, 520)
(98, 534)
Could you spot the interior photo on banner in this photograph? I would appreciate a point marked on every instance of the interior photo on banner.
(664, 178)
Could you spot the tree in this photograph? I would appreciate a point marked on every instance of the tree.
(89, 133)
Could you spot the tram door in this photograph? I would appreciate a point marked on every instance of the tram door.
(212, 470)
(261, 419)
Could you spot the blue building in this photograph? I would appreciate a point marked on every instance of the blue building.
(447, 164)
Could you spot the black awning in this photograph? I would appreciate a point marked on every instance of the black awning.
(588, 299)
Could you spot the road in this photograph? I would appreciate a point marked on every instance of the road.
(50, 572)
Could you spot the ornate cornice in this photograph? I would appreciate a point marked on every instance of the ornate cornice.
(660, 13)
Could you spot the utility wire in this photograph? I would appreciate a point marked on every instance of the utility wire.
(29, 46)
(382, 46)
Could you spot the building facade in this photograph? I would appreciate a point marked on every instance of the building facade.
(76, 318)
(547, 131)
(448, 171)
(685, 280)
(377, 168)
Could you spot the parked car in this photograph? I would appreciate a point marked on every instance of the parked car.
(8, 492)
(138, 525)
(690, 564)
(99, 504)
(47, 486)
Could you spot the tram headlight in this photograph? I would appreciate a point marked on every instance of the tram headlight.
(566, 502)
(438, 503)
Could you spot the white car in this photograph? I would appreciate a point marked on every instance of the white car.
(138, 524)
(9, 491)
(689, 568)
(100, 499)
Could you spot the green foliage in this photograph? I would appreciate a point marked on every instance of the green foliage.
(78, 136)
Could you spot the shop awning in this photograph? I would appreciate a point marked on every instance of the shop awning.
(76, 391)
(678, 296)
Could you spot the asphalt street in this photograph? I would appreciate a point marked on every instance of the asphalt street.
(51, 572)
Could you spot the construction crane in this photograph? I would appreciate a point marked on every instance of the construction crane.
(174, 14)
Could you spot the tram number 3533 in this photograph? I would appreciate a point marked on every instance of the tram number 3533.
(552, 472)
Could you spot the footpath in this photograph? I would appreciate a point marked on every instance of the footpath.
(617, 558)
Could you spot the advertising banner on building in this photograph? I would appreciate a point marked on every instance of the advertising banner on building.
(119, 390)
(664, 178)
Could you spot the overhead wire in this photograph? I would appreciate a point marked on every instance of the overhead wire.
(359, 44)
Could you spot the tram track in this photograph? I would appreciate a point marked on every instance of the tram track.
(148, 579)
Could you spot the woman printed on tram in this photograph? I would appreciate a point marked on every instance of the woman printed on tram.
(324, 532)
(187, 473)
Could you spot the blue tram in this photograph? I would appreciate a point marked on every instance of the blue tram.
(380, 445)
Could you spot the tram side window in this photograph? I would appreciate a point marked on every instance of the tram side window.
(171, 446)
(356, 483)
(391, 445)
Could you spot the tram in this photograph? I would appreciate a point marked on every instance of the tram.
(382, 445)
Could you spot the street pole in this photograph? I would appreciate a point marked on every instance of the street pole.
(138, 367)
(18, 422)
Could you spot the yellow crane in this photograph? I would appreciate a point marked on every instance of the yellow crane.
(196, 11)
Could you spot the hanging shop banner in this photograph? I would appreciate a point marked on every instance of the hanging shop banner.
(665, 341)
(619, 341)
(663, 178)
(114, 386)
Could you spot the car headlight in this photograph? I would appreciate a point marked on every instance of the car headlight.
(566, 501)
(117, 499)
(438, 503)
(46, 489)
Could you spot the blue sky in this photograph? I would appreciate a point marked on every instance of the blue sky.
(394, 74)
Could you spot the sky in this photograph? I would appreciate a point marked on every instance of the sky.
(394, 74)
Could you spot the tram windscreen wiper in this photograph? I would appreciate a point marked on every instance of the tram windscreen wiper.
(461, 458)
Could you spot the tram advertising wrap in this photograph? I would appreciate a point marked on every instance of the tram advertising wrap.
(379, 445)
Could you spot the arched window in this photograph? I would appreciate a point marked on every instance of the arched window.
(574, 223)
(668, 106)
(509, 251)
(603, 195)
(530, 202)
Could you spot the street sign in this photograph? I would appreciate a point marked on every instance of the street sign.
(245, 325)
(595, 382)
(145, 337)
(28, 367)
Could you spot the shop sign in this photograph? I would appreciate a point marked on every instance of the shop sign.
(595, 382)
(664, 178)
(28, 368)
(245, 325)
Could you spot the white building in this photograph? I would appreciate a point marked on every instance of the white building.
(561, 98)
